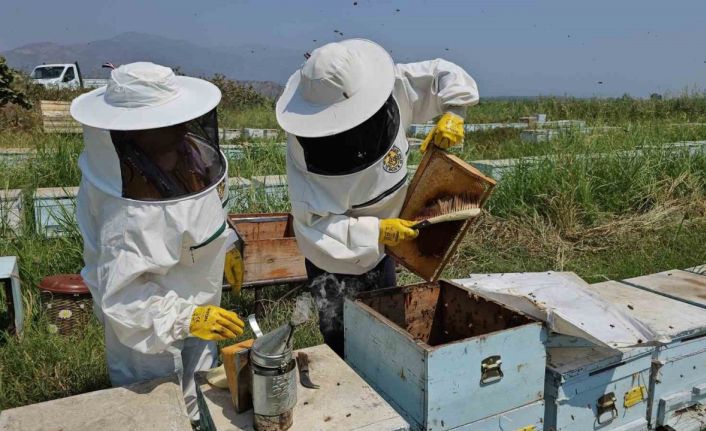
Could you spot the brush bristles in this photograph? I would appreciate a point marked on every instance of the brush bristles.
(448, 205)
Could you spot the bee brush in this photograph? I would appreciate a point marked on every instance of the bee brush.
(453, 208)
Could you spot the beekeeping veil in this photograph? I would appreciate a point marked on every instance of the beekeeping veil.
(340, 107)
(151, 135)
(151, 212)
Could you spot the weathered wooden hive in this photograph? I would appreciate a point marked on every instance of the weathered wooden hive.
(269, 248)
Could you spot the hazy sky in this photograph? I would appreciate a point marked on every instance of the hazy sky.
(510, 47)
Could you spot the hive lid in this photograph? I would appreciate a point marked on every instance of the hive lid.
(568, 304)
(68, 284)
(667, 319)
(687, 286)
(439, 175)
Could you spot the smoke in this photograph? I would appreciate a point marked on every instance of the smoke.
(302, 309)
(329, 292)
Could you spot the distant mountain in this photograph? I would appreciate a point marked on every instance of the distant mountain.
(263, 67)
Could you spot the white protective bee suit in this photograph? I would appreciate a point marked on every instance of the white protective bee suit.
(336, 215)
(149, 262)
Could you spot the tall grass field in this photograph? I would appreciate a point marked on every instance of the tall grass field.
(608, 204)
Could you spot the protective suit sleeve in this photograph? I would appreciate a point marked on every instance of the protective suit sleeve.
(337, 243)
(436, 86)
(144, 313)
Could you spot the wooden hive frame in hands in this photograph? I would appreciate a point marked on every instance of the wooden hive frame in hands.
(439, 175)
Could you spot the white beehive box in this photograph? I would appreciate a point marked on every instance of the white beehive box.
(253, 133)
(10, 212)
(444, 356)
(228, 134)
(678, 379)
(591, 387)
(273, 185)
(261, 133)
(54, 209)
(537, 136)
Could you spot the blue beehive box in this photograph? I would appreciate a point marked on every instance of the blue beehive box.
(591, 387)
(529, 417)
(677, 392)
(448, 358)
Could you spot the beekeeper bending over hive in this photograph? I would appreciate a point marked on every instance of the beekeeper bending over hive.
(346, 111)
(151, 212)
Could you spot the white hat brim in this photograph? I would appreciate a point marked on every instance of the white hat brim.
(300, 117)
(196, 98)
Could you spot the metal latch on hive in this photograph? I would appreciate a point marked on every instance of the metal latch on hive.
(490, 370)
(606, 404)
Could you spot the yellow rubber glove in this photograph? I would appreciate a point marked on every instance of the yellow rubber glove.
(233, 269)
(447, 132)
(395, 230)
(214, 323)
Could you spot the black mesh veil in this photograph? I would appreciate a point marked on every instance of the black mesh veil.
(206, 126)
(355, 149)
(169, 162)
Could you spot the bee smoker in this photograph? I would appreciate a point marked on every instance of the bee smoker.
(274, 382)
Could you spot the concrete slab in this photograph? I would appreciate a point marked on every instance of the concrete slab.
(155, 405)
(344, 401)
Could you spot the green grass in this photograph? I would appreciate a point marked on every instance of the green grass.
(605, 217)
(257, 160)
(256, 118)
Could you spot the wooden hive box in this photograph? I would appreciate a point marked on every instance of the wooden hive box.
(439, 175)
(270, 251)
(56, 117)
(445, 356)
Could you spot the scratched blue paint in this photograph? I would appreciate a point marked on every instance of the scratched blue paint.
(678, 375)
(439, 388)
(455, 394)
(530, 415)
(579, 373)
(679, 382)
(679, 372)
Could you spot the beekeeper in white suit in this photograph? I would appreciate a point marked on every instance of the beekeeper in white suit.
(346, 111)
(151, 212)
